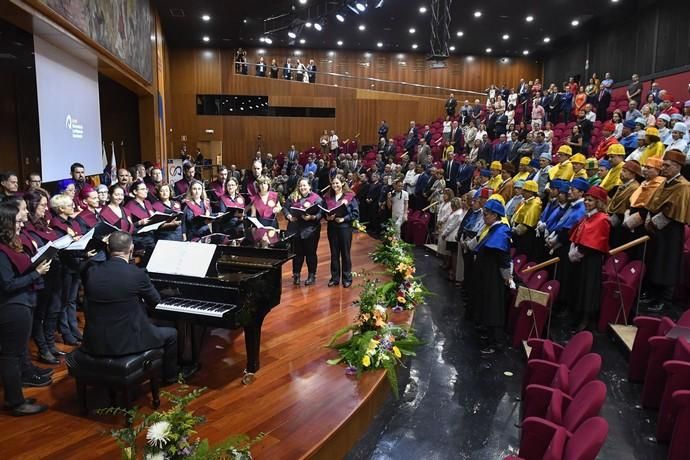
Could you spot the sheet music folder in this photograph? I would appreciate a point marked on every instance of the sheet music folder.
(182, 258)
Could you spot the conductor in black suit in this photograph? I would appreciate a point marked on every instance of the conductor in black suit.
(116, 319)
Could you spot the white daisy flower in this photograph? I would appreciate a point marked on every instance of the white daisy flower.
(157, 434)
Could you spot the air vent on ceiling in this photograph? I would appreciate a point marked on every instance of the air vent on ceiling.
(177, 12)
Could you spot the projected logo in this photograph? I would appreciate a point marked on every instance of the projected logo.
(75, 127)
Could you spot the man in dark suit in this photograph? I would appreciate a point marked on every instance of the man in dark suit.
(451, 104)
(311, 71)
(383, 130)
(412, 139)
(116, 320)
(426, 135)
(456, 138)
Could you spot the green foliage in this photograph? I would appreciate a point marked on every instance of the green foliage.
(170, 433)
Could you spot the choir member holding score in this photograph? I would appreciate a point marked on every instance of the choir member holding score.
(340, 230)
(265, 205)
(232, 201)
(49, 303)
(114, 213)
(306, 227)
(17, 298)
(165, 204)
(88, 218)
(140, 211)
(196, 206)
(63, 223)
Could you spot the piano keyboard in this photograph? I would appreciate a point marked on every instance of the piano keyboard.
(195, 307)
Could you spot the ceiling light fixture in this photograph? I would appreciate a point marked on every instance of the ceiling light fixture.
(525, 52)
(529, 18)
(477, 14)
(367, 54)
(379, 44)
(303, 2)
(460, 33)
(361, 6)
(505, 37)
(422, 9)
(331, 53)
(318, 26)
(547, 39)
(340, 17)
(268, 40)
(412, 30)
(452, 48)
(362, 27)
(206, 17)
(414, 46)
(340, 43)
(379, 4)
(206, 38)
(308, 24)
(575, 23)
(488, 50)
(292, 35)
(302, 41)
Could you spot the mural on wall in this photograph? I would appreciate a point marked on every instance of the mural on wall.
(123, 27)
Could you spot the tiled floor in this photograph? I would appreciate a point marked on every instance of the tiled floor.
(457, 404)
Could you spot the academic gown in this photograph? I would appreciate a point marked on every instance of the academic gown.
(233, 227)
(591, 236)
(264, 211)
(193, 229)
(492, 256)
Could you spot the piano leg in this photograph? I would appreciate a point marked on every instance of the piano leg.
(252, 342)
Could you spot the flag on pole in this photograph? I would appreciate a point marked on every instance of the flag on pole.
(104, 156)
(113, 164)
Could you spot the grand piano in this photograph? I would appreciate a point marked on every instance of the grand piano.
(239, 287)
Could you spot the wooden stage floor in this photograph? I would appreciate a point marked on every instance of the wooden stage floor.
(306, 407)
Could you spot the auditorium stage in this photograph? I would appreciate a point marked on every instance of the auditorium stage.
(307, 408)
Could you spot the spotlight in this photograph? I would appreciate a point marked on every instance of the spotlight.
(340, 17)
(362, 27)
(414, 46)
(292, 35)
(340, 43)
(574, 23)
(308, 24)
(379, 44)
(318, 26)
(452, 48)
(422, 9)
(268, 40)
(525, 52)
(529, 18)
(477, 14)
(303, 2)
(379, 4)
(302, 41)
(412, 30)
(547, 39)
(206, 18)
(206, 39)
(460, 33)
(361, 6)
(505, 37)
(488, 50)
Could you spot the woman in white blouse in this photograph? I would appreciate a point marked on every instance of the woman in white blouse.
(450, 233)
(447, 127)
(444, 211)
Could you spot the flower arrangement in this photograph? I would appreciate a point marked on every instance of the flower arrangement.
(359, 226)
(381, 348)
(170, 434)
(374, 342)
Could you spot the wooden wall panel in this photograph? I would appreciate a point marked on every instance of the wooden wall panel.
(9, 148)
(359, 109)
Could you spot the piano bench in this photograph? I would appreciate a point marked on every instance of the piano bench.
(120, 372)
